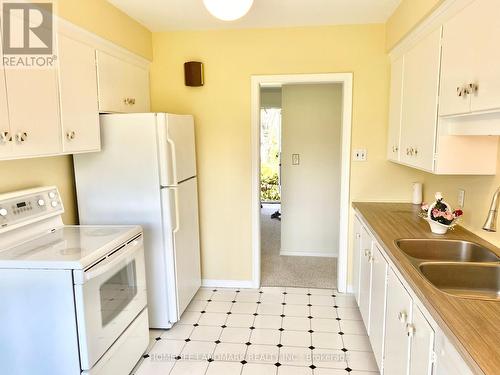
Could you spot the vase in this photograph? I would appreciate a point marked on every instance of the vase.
(437, 228)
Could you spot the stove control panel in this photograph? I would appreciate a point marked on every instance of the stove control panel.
(30, 205)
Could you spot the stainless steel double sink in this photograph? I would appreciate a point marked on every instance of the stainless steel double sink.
(460, 268)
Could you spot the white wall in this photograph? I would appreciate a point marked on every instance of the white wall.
(311, 127)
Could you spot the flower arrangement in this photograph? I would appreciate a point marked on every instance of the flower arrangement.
(440, 215)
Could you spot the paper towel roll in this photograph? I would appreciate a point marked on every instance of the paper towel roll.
(417, 193)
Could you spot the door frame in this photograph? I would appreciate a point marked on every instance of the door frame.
(258, 81)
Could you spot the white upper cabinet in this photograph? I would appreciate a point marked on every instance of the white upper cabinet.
(470, 78)
(420, 102)
(33, 102)
(393, 146)
(123, 86)
(5, 133)
(78, 96)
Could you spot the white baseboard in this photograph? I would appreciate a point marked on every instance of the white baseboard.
(308, 254)
(243, 284)
(350, 289)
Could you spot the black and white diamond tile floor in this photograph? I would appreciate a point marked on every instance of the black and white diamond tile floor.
(275, 331)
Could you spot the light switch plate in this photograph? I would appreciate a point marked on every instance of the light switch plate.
(461, 198)
(360, 154)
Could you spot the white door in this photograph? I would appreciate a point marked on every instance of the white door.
(395, 109)
(78, 96)
(420, 102)
(365, 277)
(422, 344)
(398, 315)
(123, 87)
(182, 233)
(177, 148)
(33, 102)
(356, 257)
(377, 305)
(5, 133)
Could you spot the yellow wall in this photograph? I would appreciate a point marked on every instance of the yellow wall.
(406, 17)
(222, 114)
(105, 20)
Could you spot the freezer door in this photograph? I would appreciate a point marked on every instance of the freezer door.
(183, 244)
(177, 148)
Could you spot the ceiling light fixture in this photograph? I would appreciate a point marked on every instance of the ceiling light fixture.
(228, 10)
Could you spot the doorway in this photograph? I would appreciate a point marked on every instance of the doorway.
(269, 192)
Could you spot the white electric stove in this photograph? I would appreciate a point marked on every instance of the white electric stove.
(72, 298)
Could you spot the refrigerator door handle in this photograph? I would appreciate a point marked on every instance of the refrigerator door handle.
(176, 203)
(173, 160)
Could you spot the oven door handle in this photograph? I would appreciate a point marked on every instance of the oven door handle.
(125, 254)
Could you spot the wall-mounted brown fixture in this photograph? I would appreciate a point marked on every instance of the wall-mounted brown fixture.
(193, 74)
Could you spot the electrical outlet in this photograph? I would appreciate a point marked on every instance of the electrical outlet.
(461, 198)
(360, 155)
(295, 159)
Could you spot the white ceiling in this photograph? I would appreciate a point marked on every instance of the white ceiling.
(163, 15)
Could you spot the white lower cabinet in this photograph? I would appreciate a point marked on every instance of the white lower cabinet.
(378, 304)
(422, 344)
(448, 361)
(356, 257)
(405, 341)
(397, 341)
(365, 277)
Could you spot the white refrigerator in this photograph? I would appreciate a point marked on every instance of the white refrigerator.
(146, 174)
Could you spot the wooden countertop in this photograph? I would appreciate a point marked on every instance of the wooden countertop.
(473, 326)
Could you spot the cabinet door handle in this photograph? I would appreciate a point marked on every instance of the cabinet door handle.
(410, 330)
(367, 253)
(5, 137)
(129, 101)
(472, 88)
(21, 137)
(358, 236)
(71, 135)
(402, 316)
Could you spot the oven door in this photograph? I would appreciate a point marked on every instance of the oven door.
(109, 296)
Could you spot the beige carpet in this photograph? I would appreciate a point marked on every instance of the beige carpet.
(278, 270)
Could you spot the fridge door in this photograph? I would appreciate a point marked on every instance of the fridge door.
(177, 153)
(182, 243)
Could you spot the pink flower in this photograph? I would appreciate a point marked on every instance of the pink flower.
(425, 207)
(448, 215)
(436, 213)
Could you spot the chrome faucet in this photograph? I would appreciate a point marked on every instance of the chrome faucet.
(491, 221)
